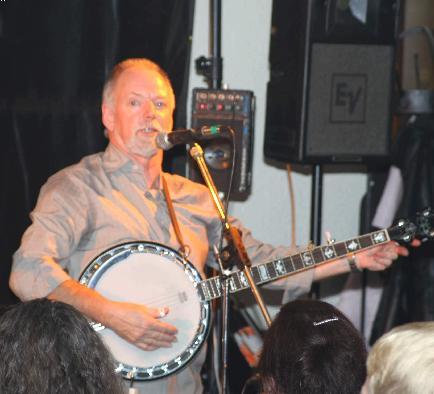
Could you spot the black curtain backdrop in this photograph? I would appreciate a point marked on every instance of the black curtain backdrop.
(55, 56)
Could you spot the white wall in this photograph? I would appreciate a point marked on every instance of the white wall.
(245, 42)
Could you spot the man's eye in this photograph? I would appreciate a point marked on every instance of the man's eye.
(160, 104)
(134, 102)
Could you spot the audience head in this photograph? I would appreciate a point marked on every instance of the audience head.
(311, 347)
(49, 347)
(402, 361)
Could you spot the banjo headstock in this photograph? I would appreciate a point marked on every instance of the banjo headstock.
(422, 227)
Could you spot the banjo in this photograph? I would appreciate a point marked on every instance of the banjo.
(156, 275)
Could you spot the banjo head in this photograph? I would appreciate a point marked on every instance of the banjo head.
(154, 275)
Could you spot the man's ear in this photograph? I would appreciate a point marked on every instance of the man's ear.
(108, 118)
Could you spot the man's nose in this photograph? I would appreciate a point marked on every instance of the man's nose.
(148, 109)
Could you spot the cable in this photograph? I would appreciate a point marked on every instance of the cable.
(292, 206)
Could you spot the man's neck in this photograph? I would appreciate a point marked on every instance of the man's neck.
(152, 170)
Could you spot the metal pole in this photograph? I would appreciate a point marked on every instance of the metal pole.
(316, 215)
(197, 153)
(216, 63)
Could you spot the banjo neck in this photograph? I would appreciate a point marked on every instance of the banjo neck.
(210, 289)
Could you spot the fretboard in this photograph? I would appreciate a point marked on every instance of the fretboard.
(276, 269)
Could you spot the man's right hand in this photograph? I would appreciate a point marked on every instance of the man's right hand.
(137, 324)
(141, 325)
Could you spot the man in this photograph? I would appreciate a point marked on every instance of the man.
(116, 196)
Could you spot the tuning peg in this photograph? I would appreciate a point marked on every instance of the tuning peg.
(402, 222)
(427, 212)
(329, 238)
(310, 245)
(407, 238)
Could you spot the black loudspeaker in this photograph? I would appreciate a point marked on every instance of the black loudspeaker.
(331, 79)
(233, 108)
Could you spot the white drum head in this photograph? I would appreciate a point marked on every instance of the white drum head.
(155, 276)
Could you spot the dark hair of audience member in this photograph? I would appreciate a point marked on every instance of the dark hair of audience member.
(49, 347)
(311, 347)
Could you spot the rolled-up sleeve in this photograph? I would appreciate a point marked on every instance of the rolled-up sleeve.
(58, 221)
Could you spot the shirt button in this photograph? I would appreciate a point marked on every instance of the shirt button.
(148, 194)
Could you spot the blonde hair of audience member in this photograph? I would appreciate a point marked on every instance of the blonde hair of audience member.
(402, 361)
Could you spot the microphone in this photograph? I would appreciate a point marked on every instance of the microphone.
(166, 140)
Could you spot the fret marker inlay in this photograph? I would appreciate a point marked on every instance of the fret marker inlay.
(379, 237)
(280, 267)
(329, 252)
(307, 258)
(263, 272)
(353, 245)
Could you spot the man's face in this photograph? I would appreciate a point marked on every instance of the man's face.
(142, 105)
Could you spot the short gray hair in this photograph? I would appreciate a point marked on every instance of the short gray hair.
(126, 64)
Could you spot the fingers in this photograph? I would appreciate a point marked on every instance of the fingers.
(158, 313)
(402, 250)
(382, 262)
(153, 340)
(388, 255)
(378, 263)
(416, 243)
(142, 326)
(156, 333)
(382, 256)
(160, 326)
(391, 250)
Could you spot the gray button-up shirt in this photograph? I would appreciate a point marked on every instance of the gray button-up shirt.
(103, 201)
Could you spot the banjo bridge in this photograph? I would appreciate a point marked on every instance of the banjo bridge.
(182, 296)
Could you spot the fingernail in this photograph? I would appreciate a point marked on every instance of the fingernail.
(162, 312)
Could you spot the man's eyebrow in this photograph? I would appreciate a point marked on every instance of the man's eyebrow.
(136, 94)
(158, 97)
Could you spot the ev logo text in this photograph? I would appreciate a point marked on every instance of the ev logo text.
(348, 101)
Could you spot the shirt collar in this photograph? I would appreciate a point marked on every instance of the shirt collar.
(115, 160)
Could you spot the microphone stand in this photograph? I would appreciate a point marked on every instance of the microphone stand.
(235, 252)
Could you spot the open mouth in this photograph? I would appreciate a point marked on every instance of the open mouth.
(147, 131)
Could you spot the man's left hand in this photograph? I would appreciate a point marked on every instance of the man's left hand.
(381, 257)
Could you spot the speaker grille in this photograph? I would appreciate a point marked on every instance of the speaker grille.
(331, 72)
(348, 116)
